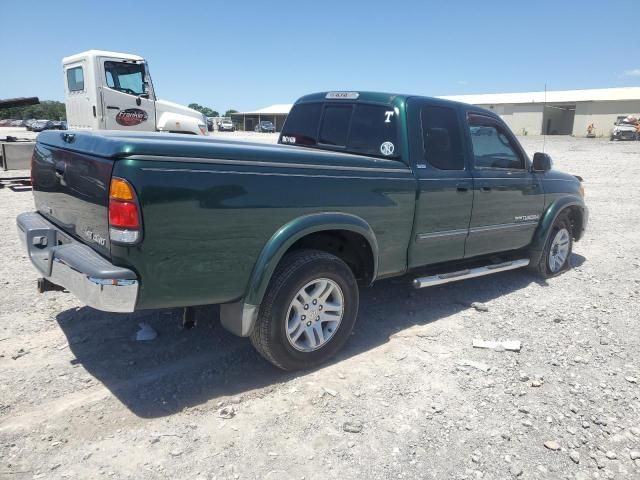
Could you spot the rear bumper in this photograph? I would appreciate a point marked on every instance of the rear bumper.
(76, 267)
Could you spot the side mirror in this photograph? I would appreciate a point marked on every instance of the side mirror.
(541, 162)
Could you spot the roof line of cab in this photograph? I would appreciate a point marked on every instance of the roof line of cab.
(385, 98)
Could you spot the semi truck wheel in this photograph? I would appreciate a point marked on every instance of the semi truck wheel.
(308, 311)
(557, 252)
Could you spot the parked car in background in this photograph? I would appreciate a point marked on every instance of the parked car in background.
(5, 123)
(17, 123)
(226, 126)
(42, 125)
(29, 122)
(59, 125)
(265, 127)
(625, 128)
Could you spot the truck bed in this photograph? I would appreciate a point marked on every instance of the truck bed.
(210, 206)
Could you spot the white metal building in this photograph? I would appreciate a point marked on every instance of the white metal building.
(567, 112)
(561, 112)
(275, 113)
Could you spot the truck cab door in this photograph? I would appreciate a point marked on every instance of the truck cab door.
(508, 197)
(445, 185)
(128, 102)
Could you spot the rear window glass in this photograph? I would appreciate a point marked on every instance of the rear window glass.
(301, 127)
(335, 125)
(75, 79)
(361, 128)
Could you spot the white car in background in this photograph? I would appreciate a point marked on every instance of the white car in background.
(226, 126)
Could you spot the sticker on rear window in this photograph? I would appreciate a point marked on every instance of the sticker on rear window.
(387, 148)
(288, 139)
(388, 114)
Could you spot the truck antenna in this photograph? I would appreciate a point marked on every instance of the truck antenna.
(544, 109)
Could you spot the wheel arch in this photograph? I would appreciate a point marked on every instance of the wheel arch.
(307, 232)
(578, 213)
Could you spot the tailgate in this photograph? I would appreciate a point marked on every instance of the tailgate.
(71, 190)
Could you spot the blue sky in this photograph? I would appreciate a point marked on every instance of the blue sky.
(248, 54)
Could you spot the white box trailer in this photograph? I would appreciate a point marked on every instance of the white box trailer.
(113, 91)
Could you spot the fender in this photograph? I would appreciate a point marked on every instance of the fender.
(240, 317)
(549, 217)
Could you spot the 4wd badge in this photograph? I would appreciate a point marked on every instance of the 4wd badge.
(131, 117)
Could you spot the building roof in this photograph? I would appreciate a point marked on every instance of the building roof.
(277, 109)
(554, 96)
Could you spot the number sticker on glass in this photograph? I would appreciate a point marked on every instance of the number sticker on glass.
(387, 148)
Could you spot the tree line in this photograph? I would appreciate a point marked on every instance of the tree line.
(208, 112)
(46, 109)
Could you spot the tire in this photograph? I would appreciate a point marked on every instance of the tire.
(560, 235)
(278, 312)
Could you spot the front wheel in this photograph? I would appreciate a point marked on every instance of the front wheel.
(308, 311)
(557, 251)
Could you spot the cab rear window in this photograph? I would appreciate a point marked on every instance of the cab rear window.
(365, 129)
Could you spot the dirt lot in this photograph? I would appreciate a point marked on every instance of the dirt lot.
(408, 397)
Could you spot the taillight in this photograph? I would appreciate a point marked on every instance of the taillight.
(124, 214)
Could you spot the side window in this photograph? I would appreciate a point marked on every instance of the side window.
(110, 82)
(125, 77)
(335, 125)
(441, 138)
(492, 146)
(75, 79)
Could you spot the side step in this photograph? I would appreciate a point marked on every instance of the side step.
(439, 279)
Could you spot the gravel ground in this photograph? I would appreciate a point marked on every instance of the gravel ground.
(408, 397)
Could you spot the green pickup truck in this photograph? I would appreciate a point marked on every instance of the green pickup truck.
(362, 186)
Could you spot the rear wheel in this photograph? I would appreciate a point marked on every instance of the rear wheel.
(308, 312)
(557, 252)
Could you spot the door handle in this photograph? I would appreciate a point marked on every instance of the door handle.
(111, 107)
(485, 189)
(462, 187)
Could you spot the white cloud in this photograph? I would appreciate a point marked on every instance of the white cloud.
(633, 73)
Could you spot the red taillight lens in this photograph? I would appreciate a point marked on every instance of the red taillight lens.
(123, 214)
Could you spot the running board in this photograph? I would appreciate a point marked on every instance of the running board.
(469, 273)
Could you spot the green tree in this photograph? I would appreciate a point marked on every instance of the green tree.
(204, 110)
(47, 109)
(229, 112)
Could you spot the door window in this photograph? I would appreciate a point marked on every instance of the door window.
(125, 77)
(75, 79)
(441, 139)
(493, 146)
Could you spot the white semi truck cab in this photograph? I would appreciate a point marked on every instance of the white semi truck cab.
(113, 91)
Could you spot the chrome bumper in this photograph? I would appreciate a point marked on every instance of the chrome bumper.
(76, 267)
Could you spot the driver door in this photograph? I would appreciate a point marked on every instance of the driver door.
(508, 198)
(127, 99)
